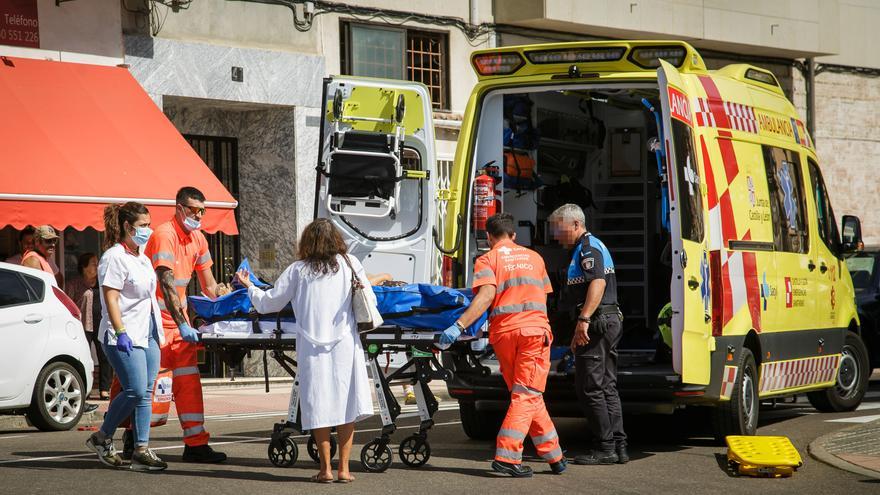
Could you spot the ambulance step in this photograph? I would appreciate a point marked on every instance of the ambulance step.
(762, 456)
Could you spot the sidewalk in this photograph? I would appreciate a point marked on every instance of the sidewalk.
(855, 449)
(244, 396)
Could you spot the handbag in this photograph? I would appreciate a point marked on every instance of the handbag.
(366, 314)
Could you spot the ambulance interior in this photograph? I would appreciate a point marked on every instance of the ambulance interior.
(592, 146)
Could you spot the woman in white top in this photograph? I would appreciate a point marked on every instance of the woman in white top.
(334, 388)
(129, 332)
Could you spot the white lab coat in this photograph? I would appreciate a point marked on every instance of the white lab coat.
(334, 388)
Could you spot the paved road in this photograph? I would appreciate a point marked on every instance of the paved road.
(664, 458)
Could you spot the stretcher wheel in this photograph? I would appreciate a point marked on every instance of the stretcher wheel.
(376, 456)
(312, 448)
(283, 452)
(414, 451)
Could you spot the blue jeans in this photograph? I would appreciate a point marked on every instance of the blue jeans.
(137, 372)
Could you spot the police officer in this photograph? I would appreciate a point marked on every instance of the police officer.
(591, 292)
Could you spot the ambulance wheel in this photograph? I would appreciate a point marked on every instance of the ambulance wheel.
(312, 448)
(376, 456)
(479, 425)
(739, 415)
(414, 451)
(283, 452)
(852, 379)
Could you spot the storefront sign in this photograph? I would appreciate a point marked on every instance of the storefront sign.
(19, 24)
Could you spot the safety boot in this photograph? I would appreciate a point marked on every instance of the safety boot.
(515, 470)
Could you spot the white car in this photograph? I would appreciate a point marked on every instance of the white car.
(45, 362)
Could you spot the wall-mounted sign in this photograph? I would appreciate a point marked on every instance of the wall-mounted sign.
(19, 23)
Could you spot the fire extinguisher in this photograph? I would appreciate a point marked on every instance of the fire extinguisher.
(485, 204)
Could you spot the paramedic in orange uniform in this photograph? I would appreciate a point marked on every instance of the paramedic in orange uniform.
(513, 281)
(177, 249)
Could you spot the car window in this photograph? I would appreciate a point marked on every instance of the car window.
(691, 202)
(861, 268)
(787, 206)
(36, 286)
(13, 291)
(824, 214)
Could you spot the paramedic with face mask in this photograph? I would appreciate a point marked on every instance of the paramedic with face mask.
(591, 293)
(513, 281)
(177, 249)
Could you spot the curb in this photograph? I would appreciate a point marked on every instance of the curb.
(8, 423)
(818, 452)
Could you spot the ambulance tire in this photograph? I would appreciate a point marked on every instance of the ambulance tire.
(479, 425)
(852, 379)
(739, 415)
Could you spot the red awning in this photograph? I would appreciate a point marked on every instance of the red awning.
(75, 137)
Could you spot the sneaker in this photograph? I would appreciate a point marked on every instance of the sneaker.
(147, 461)
(410, 399)
(127, 445)
(90, 408)
(105, 450)
(559, 466)
(202, 453)
(622, 454)
(515, 470)
(596, 458)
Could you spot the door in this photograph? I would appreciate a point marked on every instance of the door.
(24, 327)
(377, 174)
(690, 293)
(826, 245)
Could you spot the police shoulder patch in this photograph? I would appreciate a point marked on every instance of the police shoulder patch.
(587, 263)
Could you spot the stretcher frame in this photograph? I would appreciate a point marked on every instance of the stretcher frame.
(420, 369)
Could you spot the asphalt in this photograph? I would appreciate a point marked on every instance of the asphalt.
(670, 453)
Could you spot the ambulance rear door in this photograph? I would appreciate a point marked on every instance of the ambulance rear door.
(690, 287)
(376, 173)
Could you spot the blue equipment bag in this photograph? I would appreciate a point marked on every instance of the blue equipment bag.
(425, 307)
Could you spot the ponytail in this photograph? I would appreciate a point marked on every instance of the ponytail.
(115, 216)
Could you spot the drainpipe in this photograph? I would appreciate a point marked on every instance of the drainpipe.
(811, 97)
(474, 19)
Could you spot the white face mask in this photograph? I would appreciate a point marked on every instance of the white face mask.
(142, 235)
(191, 224)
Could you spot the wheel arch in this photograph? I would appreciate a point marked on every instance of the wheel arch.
(72, 361)
(753, 343)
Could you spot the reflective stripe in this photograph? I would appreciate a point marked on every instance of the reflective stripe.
(547, 280)
(552, 455)
(519, 308)
(519, 281)
(484, 274)
(203, 258)
(512, 434)
(545, 438)
(508, 454)
(162, 255)
(522, 389)
(188, 432)
(192, 417)
(186, 370)
(181, 282)
(165, 308)
(155, 418)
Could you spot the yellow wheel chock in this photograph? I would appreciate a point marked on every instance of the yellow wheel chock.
(763, 457)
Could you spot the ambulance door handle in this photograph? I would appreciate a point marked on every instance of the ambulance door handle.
(823, 268)
(811, 266)
(693, 284)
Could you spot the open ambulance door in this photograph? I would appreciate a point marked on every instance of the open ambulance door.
(376, 173)
(690, 287)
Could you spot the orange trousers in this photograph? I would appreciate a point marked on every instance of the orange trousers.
(182, 359)
(524, 356)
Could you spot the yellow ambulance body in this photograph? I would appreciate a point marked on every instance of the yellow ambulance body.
(703, 183)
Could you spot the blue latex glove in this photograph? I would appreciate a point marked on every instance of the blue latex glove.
(188, 333)
(448, 336)
(123, 343)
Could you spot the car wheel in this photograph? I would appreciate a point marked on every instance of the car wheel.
(59, 398)
(479, 425)
(739, 415)
(852, 379)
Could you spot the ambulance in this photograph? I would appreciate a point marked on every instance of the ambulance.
(704, 184)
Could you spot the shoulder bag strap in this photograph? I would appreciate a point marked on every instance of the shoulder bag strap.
(355, 283)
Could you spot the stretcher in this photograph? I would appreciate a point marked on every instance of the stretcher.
(414, 316)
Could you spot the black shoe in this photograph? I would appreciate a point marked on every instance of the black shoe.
(559, 466)
(515, 470)
(202, 453)
(596, 458)
(89, 407)
(622, 455)
(127, 445)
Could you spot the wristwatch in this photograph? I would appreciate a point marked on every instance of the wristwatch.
(584, 319)
(459, 325)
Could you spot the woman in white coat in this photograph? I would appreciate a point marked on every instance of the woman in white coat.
(334, 388)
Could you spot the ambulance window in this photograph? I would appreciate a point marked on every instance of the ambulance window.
(824, 214)
(787, 205)
(691, 203)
